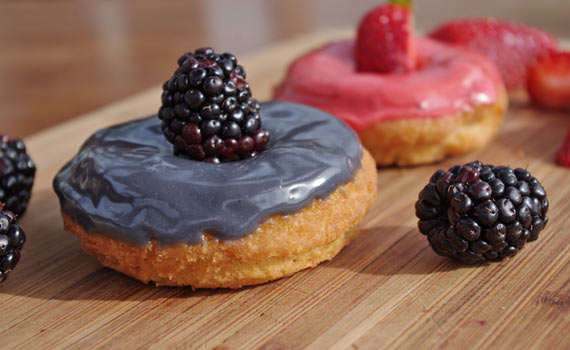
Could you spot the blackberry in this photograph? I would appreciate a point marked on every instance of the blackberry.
(17, 173)
(12, 239)
(477, 212)
(208, 112)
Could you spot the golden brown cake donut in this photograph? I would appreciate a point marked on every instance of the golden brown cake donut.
(281, 246)
(157, 217)
(452, 103)
(419, 141)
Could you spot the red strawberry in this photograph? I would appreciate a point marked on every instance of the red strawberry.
(512, 47)
(384, 42)
(563, 156)
(548, 81)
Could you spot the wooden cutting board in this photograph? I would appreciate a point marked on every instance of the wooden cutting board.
(388, 289)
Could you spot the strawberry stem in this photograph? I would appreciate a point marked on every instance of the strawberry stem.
(408, 4)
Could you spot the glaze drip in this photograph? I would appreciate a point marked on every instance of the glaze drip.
(125, 181)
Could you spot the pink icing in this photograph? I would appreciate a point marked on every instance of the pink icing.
(449, 81)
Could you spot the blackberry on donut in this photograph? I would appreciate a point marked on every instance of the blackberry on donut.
(208, 112)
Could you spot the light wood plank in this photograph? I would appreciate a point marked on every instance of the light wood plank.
(387, 289)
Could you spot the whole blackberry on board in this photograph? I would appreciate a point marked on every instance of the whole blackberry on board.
(12, 240)
(479, 212)
(17, 173)
(208, 112)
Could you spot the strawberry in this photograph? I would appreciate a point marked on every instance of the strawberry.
(384, 41)
(548, 82)
(512, 47)
(563, 156)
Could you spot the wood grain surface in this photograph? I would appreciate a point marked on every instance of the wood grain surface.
(387, 289)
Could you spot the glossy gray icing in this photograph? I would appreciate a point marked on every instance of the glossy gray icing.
(126, 183)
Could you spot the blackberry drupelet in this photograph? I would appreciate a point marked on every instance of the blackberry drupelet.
(17, 173)
(479, 212)
(208, 112)
(12, 239)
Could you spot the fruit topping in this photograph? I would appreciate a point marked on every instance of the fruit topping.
(12, 239)
(208, 112)
(477, 212)
(17, 173)
(563, 155)
(384, 41)
(512, 47)
(548, 81)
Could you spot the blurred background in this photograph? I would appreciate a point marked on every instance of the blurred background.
(62, 58)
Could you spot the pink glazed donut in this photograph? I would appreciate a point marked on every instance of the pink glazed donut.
(452, 103)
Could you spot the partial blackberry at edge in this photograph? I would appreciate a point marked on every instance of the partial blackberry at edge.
(17, 172)
(12, 239)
